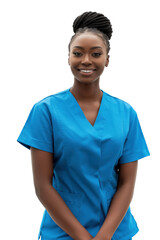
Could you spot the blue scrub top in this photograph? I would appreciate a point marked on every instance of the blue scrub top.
(86, 157)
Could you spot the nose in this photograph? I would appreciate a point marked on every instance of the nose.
(86, 59)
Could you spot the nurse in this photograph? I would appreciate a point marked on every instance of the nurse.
(85, 145)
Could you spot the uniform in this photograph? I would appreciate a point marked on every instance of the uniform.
(86, 157)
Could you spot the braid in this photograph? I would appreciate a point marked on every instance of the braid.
(93, 22)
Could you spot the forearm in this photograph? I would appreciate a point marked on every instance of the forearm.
(61, 214)
(117, 211)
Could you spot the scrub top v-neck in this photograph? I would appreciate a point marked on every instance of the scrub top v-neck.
(86, 157)
(79, 112)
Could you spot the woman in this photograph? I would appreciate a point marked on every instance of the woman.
(84, 147)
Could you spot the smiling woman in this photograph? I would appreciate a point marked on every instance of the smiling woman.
(88, 57)
(84, 146)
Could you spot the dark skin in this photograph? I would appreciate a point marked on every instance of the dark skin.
(86, 88)
(88, 94)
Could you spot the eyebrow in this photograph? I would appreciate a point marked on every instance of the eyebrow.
(91, 47)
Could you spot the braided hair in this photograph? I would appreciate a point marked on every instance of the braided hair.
(93, 22)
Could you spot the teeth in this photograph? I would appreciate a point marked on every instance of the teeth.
(86, 71)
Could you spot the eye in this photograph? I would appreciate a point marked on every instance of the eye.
(77, 54)
(97, 54)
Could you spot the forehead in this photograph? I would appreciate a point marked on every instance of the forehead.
(88, 40)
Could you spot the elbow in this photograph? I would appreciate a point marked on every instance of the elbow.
(41, 191)
(127, 188)
(38, 191)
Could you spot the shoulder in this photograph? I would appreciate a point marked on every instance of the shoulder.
(50, 101)
(120, 104)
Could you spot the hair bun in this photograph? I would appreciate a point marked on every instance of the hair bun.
(93, 20)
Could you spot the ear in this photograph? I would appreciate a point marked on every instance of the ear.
(107, 61)
(68, 61)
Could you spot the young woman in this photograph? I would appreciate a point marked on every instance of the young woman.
(84, 146)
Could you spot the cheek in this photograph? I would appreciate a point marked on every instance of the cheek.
(100, 66)
(73, 70)
(73, 67)
(73, 63)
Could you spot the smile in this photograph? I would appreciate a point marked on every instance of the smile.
(86, 70)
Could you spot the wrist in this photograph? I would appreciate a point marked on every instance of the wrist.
(87, 236)
(101, 236)
(104, 238)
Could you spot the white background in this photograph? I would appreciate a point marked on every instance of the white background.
(34, 37)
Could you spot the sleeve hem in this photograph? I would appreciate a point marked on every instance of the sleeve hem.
(134, 157)
(36, 144)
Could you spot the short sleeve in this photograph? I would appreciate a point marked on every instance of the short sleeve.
(37, 131)
(135, 146)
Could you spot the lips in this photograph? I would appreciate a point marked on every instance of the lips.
(86, 72)
(84, 69)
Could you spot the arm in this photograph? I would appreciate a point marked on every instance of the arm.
(42, 165)
(120, 201)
